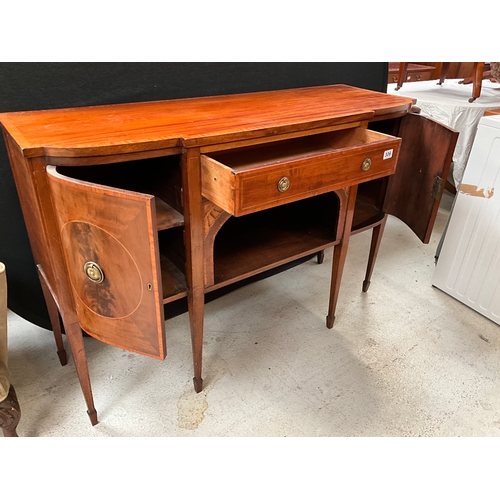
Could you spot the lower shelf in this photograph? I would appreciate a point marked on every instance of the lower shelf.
(254, 243)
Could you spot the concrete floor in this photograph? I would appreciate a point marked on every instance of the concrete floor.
(403, 359)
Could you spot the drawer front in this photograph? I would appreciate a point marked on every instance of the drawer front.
(244, 191)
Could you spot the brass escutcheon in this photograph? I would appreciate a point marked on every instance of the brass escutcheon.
(283, 184)
(94, 272)
(366, 165)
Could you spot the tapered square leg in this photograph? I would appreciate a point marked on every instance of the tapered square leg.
(378, 232)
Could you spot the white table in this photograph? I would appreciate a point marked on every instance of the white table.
(448, 104)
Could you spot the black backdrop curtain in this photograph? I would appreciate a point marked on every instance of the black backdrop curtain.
(29, 86)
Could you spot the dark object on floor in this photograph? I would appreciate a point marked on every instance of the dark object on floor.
(10, 414)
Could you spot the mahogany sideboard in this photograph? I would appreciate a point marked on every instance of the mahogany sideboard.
(129, 207)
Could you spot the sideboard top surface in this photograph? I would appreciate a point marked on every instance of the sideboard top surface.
(145, 126)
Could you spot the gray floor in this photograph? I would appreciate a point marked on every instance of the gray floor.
(403, 359)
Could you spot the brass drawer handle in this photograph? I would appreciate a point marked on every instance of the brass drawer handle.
(94, 272)
(366, 165)
(283, 184)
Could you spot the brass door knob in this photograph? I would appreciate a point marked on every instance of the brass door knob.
(283, 184)
(94, 272)
(366, 165)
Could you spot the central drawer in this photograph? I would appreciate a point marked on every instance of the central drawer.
(249, 179)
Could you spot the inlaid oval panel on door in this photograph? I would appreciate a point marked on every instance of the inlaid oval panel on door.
(110, 245)
(107, 278)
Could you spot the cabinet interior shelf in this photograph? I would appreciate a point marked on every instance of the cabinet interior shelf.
(173, 281)
(167, 216)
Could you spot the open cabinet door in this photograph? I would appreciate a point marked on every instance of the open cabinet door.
(110, 245)
(414, 191)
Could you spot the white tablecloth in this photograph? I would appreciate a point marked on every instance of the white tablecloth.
(448, 104)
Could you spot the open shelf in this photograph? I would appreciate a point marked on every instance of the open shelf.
(254, 243)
